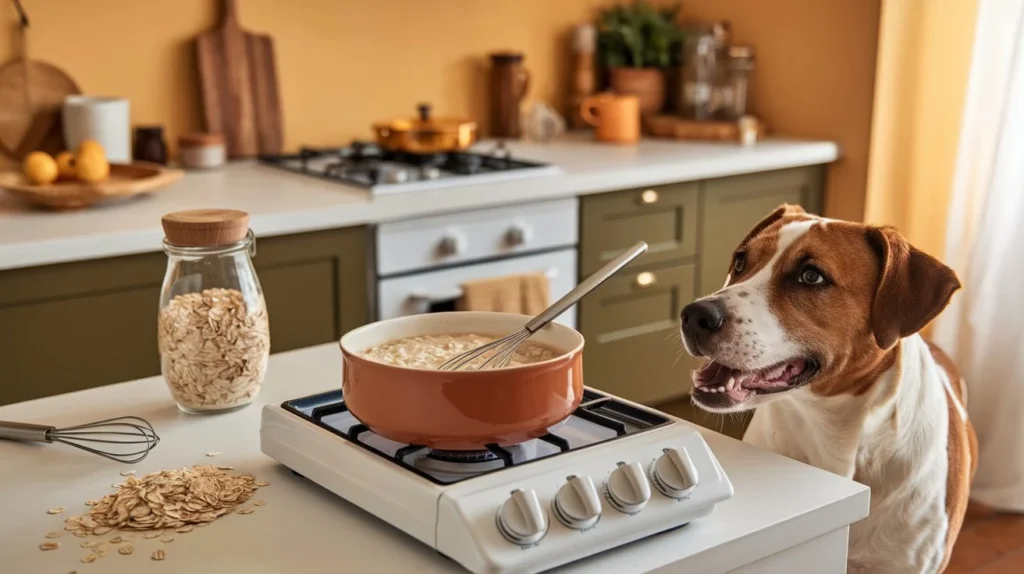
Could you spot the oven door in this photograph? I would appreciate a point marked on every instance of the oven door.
(436, 291)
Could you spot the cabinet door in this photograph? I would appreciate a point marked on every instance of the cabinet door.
(89, 323)
(733, 205)
(663, 216)
(633, 347)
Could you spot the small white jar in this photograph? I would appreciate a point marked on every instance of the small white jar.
(201, 151)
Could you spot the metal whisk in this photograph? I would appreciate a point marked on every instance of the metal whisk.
(502, 350)
(134, 437)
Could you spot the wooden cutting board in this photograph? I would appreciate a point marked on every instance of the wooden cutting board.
(238, 78)
(31, 94)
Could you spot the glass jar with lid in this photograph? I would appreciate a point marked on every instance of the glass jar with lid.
(213, 329)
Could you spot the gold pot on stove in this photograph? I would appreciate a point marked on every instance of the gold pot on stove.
(426, 134)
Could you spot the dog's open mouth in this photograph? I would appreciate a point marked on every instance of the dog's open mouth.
(739, 385)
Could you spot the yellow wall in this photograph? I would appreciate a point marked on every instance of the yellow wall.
(342, 64)
(815, 77)
(923, 62)
(346, 63)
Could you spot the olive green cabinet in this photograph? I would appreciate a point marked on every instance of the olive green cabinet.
(631, 323)
(733, 205)
(84, 324)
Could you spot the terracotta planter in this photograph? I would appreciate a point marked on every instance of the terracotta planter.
(647, 84)
(461, 410)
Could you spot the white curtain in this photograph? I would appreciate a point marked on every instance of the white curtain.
(983, 329)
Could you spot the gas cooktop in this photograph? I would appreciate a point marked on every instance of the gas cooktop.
(369, 166)
(612, 473)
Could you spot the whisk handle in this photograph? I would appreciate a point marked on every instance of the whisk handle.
(585, 286)
(25, 431)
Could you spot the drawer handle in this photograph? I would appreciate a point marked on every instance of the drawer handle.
(645, 279)
(648, 197)
(439, 296)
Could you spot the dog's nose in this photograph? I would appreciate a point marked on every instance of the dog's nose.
(702, 318)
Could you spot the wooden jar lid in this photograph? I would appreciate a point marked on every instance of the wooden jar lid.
(205, 227)
(200, 140)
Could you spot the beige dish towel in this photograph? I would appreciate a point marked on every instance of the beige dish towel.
(528, 294)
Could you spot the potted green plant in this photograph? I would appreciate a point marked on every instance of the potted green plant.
(636, 44)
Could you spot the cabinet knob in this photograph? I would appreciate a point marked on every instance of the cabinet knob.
(646, 279)
(648, 196)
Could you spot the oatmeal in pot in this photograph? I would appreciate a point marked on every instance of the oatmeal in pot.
(430, 351)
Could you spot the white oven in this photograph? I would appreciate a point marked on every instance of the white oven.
(422, 263)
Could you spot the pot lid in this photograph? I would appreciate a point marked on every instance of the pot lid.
(426, 122)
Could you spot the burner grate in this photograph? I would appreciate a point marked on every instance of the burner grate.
(600, 410)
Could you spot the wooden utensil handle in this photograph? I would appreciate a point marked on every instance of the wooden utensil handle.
(230, 14)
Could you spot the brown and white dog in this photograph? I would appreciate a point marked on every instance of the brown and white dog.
(816, 327)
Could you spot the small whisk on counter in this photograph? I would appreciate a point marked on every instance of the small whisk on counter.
(123, 439)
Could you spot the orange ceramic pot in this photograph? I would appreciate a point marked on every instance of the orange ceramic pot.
(461, 410)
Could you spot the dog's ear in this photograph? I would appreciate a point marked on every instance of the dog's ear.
(913, 287)
(780, 212)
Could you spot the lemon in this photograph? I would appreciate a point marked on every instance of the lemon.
(91, 166)
(90, 146)
(39, 167)
(66, 166)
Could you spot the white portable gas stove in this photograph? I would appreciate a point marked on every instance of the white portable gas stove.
(612, 473)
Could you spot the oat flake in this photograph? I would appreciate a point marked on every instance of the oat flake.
(167, 539)
(126, 550)
(159, 555)
(259, 502)
(127, 472)
(54, 534)
(90, 557)
(55, 510)
(49, 546)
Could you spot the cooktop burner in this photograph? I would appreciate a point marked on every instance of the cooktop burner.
(599, 419)
(369, 166)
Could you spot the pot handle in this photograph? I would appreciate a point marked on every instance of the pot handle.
(524, 83)
(588, 110)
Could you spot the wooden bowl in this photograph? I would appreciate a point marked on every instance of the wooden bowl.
(124, 180)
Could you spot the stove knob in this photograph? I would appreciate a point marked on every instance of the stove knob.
(577, 504)
(521, 519)
(674, 473)
(451, 244)
(517, 235)
(627, 488)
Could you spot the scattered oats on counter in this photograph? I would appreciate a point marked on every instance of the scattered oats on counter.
(54, 534)
(49, 546)
(259, 502)
(126, 550)
(90, 557)
(152, 535)
(127, 472)
(246, 510)
(159, 555)
(213, 348)
(184, 529)
(166, 499)
(167, 539)
(213, 454)
(55, 510)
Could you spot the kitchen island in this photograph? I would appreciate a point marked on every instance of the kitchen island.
(784, 516)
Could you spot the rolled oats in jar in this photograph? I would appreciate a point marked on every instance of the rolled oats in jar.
(213, 332)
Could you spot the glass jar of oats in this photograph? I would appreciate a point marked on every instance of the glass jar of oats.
(212, 329)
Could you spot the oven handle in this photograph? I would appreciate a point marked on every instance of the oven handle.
(455, 294)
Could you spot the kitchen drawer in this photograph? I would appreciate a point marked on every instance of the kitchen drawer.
(632, 344)
(440, 289)
(454, 238)
(733, 205)
(663, 216)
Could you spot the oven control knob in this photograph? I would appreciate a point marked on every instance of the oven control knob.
(627, 488)
(451, 244)
(517, 235)
(674, 473)
(521, 519)
(577, 504)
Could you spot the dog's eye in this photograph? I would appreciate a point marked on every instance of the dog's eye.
(739, 263)
(811, 275)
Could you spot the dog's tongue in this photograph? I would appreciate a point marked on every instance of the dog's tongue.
(715, 375)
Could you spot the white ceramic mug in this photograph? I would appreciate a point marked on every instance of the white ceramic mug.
(106, 120)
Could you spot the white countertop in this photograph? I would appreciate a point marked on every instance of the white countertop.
(778, 502)
(280, 202)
